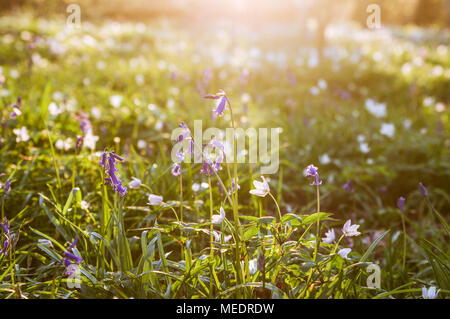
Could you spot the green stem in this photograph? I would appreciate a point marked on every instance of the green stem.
(318, 224)
(404, 241)
(211, 237)
(278, 207)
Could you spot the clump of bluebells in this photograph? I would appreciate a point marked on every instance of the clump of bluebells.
(109, 161)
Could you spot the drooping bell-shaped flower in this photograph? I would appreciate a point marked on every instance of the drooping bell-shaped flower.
(311, 171)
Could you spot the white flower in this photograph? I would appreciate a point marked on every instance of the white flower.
(14, 73)
(96, 112)
(376, 109)
(262, 188)
(218, 219)
(350, 230)
(252, 266)
(204, 185)
(428, 101)
(245, 98)
(141, 144)
(22, 134)
(322, 84)
(324, 159)
(344, 252)
(155, 199)
(217, 237)
(84, 205)
(361, 138)
(430, 293)
(330, 236)
(314, 90)
(364, 147)
(196, 187)
(64, 144)
(90, 140)
(170, 103)
(440, 107)
(387, 129)
(54, 110)
(159, 125)
(407, 123)
(139, 78)
(135, 183)
(115, 100)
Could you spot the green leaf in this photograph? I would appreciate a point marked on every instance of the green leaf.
(266, 220)
(372, 247)
(313, 218)
(250, 232)
(294, 219)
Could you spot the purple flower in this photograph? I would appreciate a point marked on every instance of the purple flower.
(7, 187)
(401, 203)
(108, 161)
(348, 186)
(187, 132)
(5, 225)
(423, 190)
(85, 126)
(219, 154)
(16, 108)
(180, 156)
(220, 188)
(102, 162)
(345, 95)
(207, 75)
(69, 256)
(176, 170)
(311, 171)
(223, 100)
(70, 260)
(206, 169)
(232, 188)
(79, 142)
(72, 245)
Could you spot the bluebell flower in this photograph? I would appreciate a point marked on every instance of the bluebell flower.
(5, 226)
(16, 108)
(311, 171)
(207, 168)
(71, 261)
(7, 187)
(232, 188)
(176, 170)
(401, 203)
(348, 186)
(423, 190)
(108, 161)
(223, 100)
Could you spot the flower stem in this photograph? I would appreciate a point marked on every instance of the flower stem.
(404, 240)
(278, 207)
(318, 224)
(211, 237)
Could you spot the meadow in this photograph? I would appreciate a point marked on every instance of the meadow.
(93, 205)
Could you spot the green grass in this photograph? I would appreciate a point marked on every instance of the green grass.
(130, 249)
